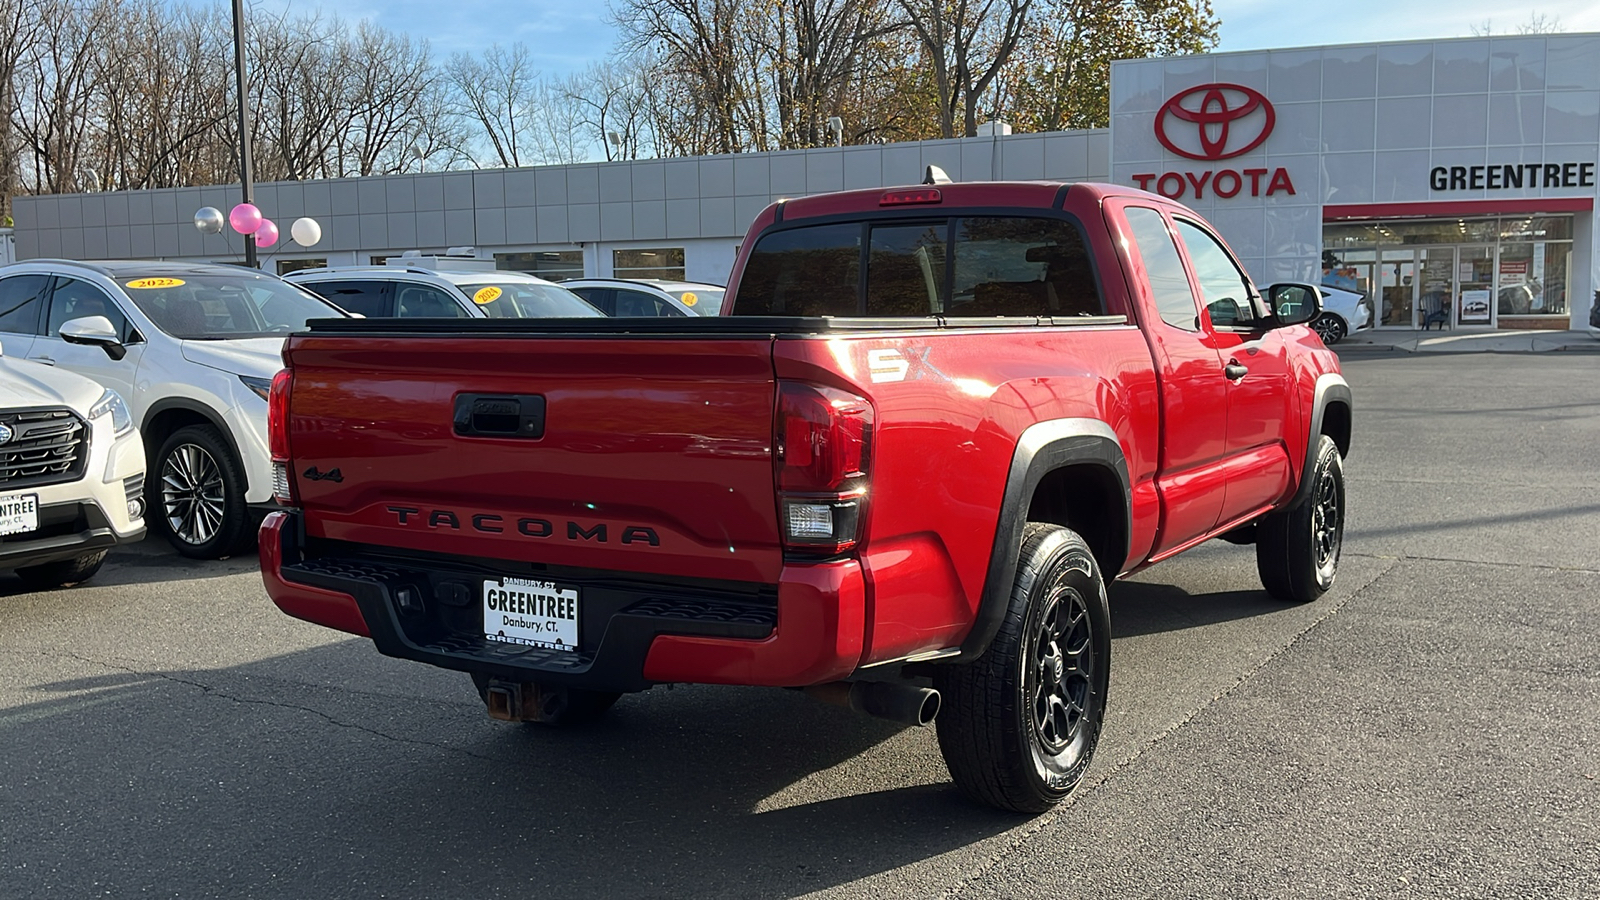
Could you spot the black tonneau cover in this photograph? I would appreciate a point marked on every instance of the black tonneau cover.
(729, 326)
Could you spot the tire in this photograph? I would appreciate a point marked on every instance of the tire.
(63, 572)
(1297, 549)
(557, 705)
(197, 463)
(1330, 328)
(1020, 724)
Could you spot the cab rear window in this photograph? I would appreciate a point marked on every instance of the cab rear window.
(974, 266)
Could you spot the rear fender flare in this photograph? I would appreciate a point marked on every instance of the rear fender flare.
(1043, 448)
(1331, 388)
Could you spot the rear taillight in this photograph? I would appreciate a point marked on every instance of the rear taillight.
(278, 434)
(822, 453)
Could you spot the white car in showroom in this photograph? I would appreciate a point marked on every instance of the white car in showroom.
(71, 474)
(192, 347)
(1343, 313)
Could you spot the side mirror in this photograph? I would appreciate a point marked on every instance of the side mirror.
(1293, 304)
(94, 331)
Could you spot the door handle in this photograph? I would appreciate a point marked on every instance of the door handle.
(44, 359)
(1234, 371)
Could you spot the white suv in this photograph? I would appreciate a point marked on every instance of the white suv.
(193, 348)
(441, 287)
(71, 474)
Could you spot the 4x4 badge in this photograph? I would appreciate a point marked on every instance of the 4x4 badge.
(333, 475)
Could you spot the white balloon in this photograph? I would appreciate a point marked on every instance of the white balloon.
(305, 231)
(209, 220)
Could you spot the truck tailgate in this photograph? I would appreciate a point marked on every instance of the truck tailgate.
(653, 455)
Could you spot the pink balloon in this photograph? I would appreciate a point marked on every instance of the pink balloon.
(267, 234)
(245, 218)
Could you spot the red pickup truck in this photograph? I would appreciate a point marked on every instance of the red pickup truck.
(897, 472)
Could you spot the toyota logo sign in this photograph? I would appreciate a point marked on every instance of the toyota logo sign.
(1215, 121)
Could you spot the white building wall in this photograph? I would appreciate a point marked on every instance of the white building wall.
(1365, 124)
(703, 205)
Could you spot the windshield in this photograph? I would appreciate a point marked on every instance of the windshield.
(218, 307)
(706, 301)
(522, 300)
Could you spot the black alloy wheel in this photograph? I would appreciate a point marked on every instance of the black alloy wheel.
(1019, 725)
(1297, 549)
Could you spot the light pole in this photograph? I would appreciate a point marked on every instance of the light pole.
(246, 175)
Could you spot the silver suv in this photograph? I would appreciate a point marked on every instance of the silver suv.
(626, 297)
(441, 287)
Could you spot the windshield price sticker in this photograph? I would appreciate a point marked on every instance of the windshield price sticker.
(689, 299)
(144, 284)
(487, 295)
(533, 613)
(19, 513)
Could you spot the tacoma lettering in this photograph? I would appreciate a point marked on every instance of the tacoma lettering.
(528, 526)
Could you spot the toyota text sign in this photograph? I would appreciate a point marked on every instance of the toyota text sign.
(1210, 123)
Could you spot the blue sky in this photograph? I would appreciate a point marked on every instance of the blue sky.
(564, 35)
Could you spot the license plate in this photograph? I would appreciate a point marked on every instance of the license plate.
(19, 513)
(534, 613)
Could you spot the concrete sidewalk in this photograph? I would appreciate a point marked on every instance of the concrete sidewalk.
(1410, 341)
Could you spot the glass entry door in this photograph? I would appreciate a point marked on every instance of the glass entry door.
(1397, 288)
(1436, 289)
(1475, 271)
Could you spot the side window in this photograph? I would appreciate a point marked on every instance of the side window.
(419, 301)
(603, 299)
(74, 299)
(638, 303)
(21, 298)
(367, 298)
(810, 271)
(905, 270)
(1169, 282)
(1015, 266)
(1225, 289)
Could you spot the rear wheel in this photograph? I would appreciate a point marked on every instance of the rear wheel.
(1297, 549)
(1019, 724)
(62, 573)
(1330, 328)
(197, 494)
(550, 705)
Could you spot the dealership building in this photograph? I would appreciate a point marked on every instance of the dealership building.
(1454, 181)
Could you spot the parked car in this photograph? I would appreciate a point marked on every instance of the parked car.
(893, 490)
(627, 297)
(441, 287)
(71, 472)
(192, 347)
(1343, 313)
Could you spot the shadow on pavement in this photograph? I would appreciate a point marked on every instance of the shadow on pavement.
(292, 789)
(1139, 607)
(151, 561)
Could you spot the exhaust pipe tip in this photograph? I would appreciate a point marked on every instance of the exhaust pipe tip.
(906, 704)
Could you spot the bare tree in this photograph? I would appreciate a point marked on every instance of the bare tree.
(1537, 23)
(967, 43)
(612, 102)
(497, 91)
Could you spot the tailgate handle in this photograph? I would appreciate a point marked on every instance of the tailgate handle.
(500, 415)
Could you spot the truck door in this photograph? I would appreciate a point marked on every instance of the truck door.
(1257, 368)
(1193, 386)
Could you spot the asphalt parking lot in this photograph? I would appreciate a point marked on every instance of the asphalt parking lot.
(1431, 728)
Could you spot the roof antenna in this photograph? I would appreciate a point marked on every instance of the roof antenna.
(935, 175)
